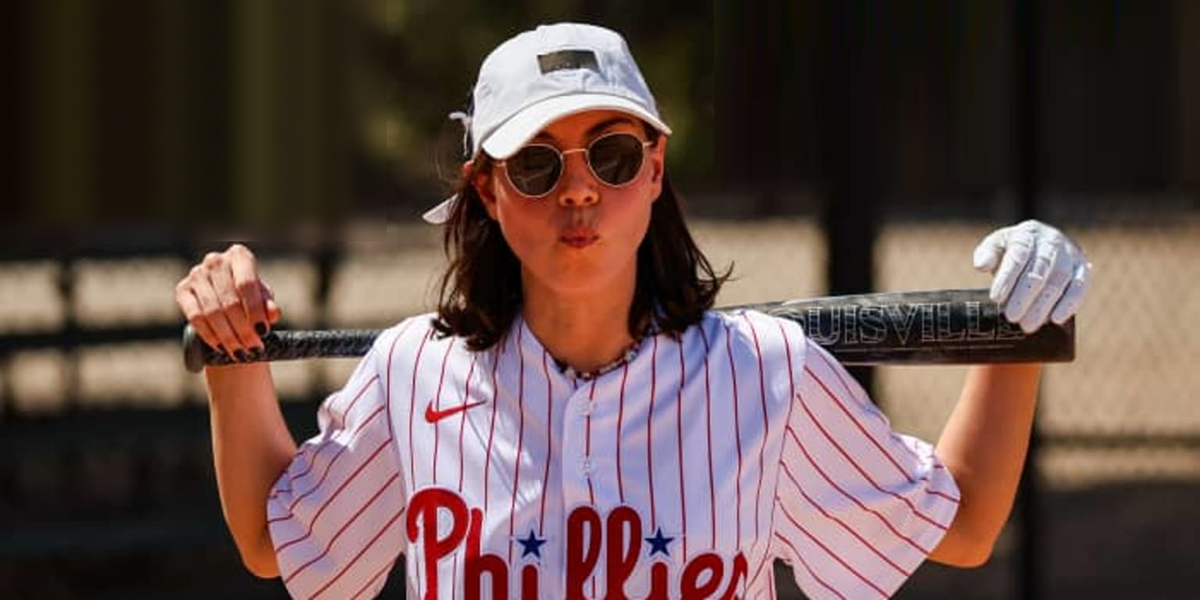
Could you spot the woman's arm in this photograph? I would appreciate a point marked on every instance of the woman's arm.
(1040, 275)
(251, 448)
(984, 445)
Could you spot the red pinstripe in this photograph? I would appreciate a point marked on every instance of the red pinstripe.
(831, 554)
(412, 403)
(762, 449)
(345, 413)
(328, 467)
(388, 403)
(787, 347)
(850, 496)
(354, 560)
(437, 400)
(737, 433)
(650, 432)
(388, 391)
(588, 452)
(849, 387)
(351, 520)
(373, 579)
(462, 422)
(487, 460)
(587, 449)
(679, 444)
(512, 507)
(804, 563)
(332, 496)
(787, 471)
(712, 495)
(275, 492)
(620, 418)
(761, 565)
(549, 438)
(462, 425)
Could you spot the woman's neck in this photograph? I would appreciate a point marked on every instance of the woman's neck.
(587, 330)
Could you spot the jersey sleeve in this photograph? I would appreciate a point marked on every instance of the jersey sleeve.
(335, 514)
(858, 506)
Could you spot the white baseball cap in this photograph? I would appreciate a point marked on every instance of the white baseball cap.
(545, 74)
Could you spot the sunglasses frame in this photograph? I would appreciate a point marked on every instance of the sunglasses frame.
(562, 161)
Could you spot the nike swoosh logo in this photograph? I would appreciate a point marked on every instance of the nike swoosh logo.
(433, 416)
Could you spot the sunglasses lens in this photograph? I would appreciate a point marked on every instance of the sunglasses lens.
(534, 170)
(617, 158)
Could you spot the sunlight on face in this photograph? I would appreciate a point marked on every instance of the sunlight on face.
(583, 236)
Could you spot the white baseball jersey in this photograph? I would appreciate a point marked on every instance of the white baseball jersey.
(683, 474)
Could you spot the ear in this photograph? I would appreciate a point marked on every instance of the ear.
(482, 183)
(657, 155)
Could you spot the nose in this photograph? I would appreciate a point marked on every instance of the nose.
(579, 187)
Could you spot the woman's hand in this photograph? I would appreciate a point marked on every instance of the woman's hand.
(227, 303)
(1040, 273)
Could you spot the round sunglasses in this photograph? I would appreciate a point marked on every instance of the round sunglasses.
(613, 158)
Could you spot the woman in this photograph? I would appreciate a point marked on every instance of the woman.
(575, 421)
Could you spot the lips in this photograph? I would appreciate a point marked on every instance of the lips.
(578, 237)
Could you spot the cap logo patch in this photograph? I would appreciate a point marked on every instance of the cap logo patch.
(568, 59)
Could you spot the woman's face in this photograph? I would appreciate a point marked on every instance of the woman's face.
(584, 235)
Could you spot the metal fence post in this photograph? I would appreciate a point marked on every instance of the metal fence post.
(1027, 178)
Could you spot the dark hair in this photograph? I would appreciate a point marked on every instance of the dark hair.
(481, 289)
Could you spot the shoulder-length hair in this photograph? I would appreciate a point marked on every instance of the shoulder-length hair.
(481, 288)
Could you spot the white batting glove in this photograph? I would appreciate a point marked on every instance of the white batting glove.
(1040, 273)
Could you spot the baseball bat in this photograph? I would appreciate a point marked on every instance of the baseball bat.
(890, 328)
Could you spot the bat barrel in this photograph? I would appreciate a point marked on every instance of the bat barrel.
(933, 327)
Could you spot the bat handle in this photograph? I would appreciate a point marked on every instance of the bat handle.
(197, 354)
(194, 350)
(281, 345)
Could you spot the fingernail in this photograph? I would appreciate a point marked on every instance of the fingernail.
(221, 349)
(256, 353)
(261, 329)
(240, 355)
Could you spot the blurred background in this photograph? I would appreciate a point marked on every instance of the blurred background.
(821, 146)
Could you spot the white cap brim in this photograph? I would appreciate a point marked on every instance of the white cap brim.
(440, 213)
(518, 130)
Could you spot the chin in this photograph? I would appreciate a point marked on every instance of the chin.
(573, 277)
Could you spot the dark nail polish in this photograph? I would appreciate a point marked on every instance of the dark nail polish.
(261, 329)
(257, 353)
(240, 355)
(221, 349)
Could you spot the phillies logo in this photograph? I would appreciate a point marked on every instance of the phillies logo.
(618, 537)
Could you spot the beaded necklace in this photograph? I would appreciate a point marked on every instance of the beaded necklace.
(625, 358)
